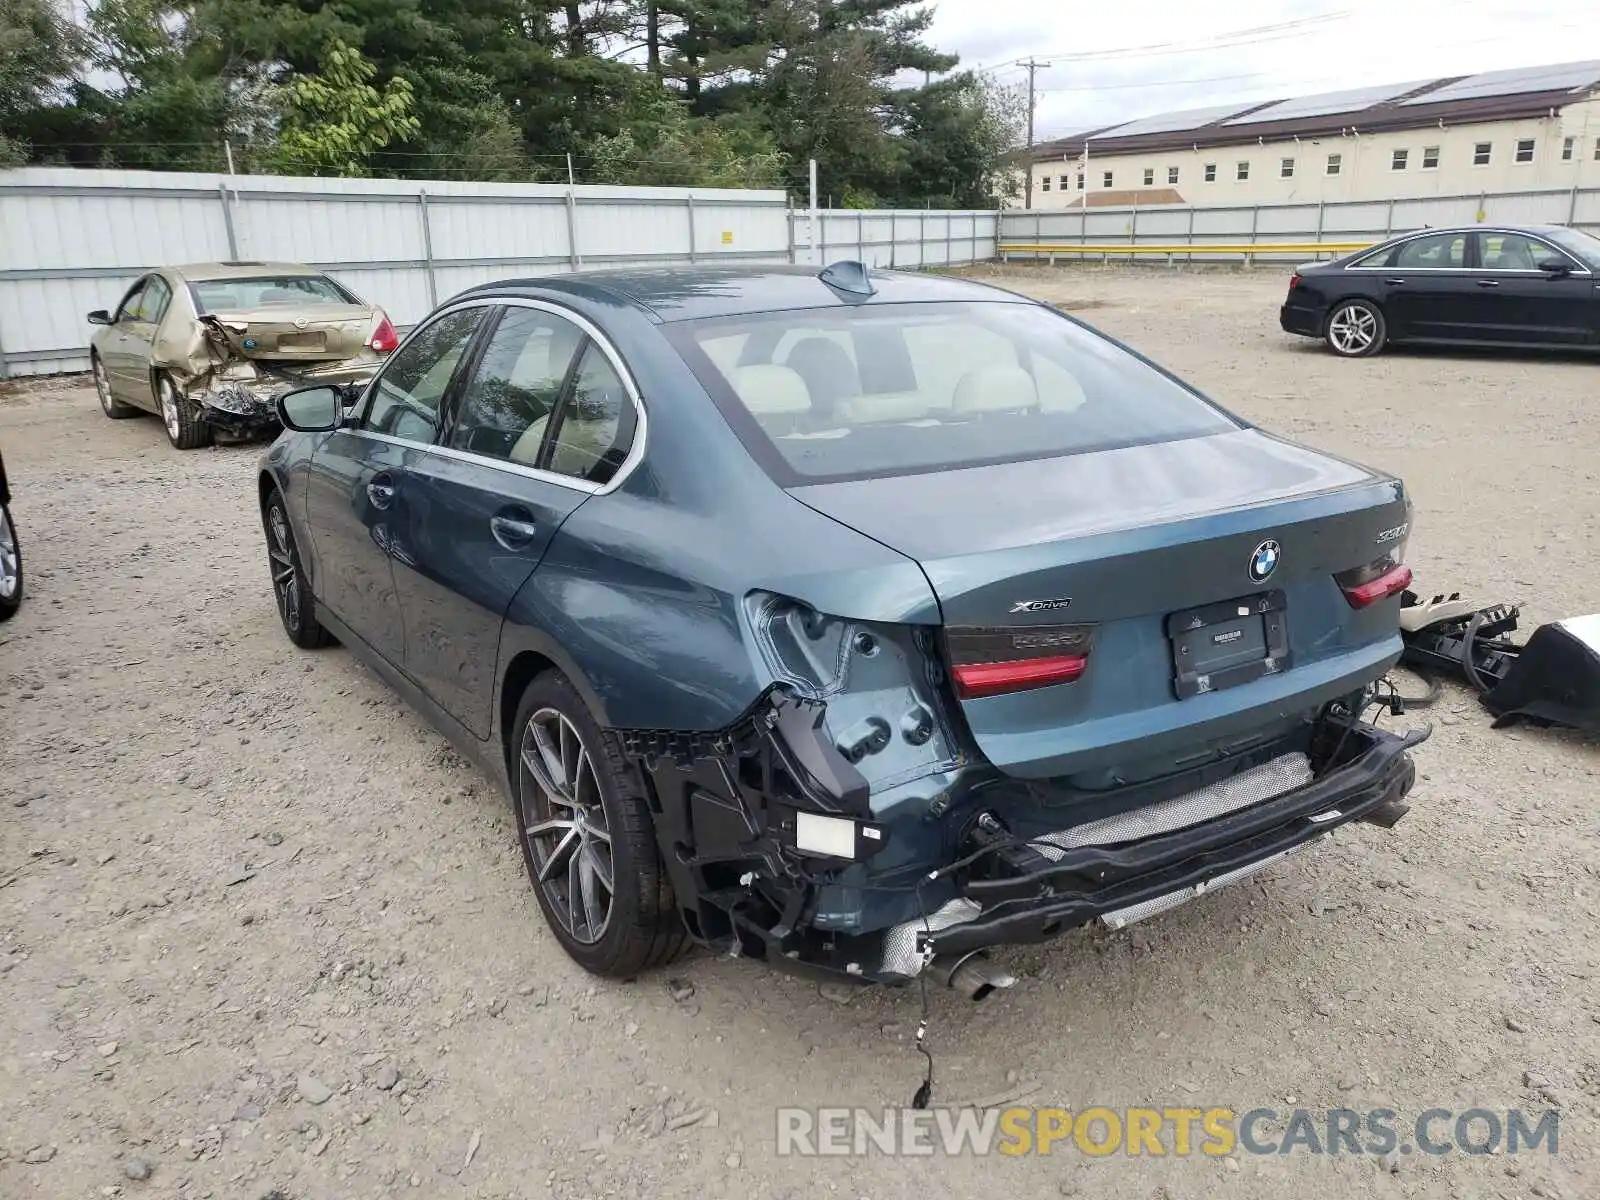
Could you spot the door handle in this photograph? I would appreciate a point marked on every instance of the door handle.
(381, 491)
(1488, 283)
(1394, 282)
(513, 529)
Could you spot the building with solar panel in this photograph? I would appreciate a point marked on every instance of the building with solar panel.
(1502, 131)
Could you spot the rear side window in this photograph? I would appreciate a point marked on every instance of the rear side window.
(1437, 251)
(506, 409)
(828, 394)
(594, 429)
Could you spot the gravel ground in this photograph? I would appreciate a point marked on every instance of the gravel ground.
(263, 935)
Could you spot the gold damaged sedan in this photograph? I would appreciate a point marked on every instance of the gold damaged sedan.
(208, 346)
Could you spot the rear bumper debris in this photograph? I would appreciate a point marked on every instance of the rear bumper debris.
(1129, 881)
(242, 410)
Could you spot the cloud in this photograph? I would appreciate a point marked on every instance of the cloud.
(1151, 56)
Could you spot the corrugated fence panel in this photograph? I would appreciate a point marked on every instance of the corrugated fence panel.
(74, 240)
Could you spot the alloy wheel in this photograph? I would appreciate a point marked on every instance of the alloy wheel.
(10, 565)
(1353, 329)
(564, 822)
(102, 385)
(285, 582)
(169, 410)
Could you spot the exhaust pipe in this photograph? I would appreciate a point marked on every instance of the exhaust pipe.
(975, 975)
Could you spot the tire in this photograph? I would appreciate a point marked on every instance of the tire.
(181, 416)
(109, 404)
(10, 566)
(1355, 329)
(612, 831)
(290, 589)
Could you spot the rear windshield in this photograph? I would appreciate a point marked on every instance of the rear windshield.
(268, 291)
(830, 394)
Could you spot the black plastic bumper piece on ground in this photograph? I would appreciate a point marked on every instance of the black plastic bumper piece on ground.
(1089, 882)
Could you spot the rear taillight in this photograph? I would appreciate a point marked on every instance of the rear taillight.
(1294, 281)
(991, 662)
(1378, 580)
(384, 338)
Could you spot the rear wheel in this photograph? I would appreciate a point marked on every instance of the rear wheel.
(181, 416)
(296, 607)
(109, 404)
(10, 567)
(1356, 328)
(587, 838)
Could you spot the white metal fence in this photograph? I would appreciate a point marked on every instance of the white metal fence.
(75, 240)
(1334, 221)
(902, 238)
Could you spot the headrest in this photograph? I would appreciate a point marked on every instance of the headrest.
(995, 389)
(771, 391)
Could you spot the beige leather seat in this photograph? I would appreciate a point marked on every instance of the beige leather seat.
(994, 390)
(777, 397)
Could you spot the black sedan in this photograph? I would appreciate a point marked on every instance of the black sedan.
(1485, 285)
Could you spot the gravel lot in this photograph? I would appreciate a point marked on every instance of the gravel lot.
(263, 935)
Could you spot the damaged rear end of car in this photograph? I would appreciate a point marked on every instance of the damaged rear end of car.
(1159, 631)
(254, 336)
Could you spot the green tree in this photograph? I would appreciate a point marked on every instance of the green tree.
(40, 53)
(334, 121)
(961, 134)
(661, 144)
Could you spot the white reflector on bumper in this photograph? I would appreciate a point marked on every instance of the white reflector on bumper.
(835, 836)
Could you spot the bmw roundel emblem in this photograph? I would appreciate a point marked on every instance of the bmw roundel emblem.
(1265, 560)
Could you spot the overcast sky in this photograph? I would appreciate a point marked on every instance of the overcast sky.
(1151, 56)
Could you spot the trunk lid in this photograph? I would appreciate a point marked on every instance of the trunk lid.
(322, 333)
(1119, 541)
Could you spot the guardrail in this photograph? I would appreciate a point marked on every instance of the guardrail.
(1248, 251)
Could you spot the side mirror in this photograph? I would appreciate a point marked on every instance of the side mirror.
(1555, 266)
(317, 409)
(100, 317)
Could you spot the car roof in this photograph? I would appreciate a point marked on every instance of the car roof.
(690, 293)
(200, 272)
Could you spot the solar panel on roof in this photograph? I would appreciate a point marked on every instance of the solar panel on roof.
(1328, 103)
(1174, 122)
(1561, 77)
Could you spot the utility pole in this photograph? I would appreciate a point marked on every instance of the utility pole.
(1033, 66)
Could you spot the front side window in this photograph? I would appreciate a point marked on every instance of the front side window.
(128, 310)
(1286, 168)
(1434, 252)
(1335, 163)
(1525, 150)
(1430, 158)
(506, 407)
(1512, 252)
(266, 291)
(595, 425)
(1399, 159)
(902, 389)
(1585, 247)
(1242, 171)
(153, 304)
(1481, 153)
(405, 399)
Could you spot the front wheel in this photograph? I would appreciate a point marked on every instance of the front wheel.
(587, 838)
(10, 567)
(109, 404)
(296, 608)
(1356, 328)
(181, 416)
